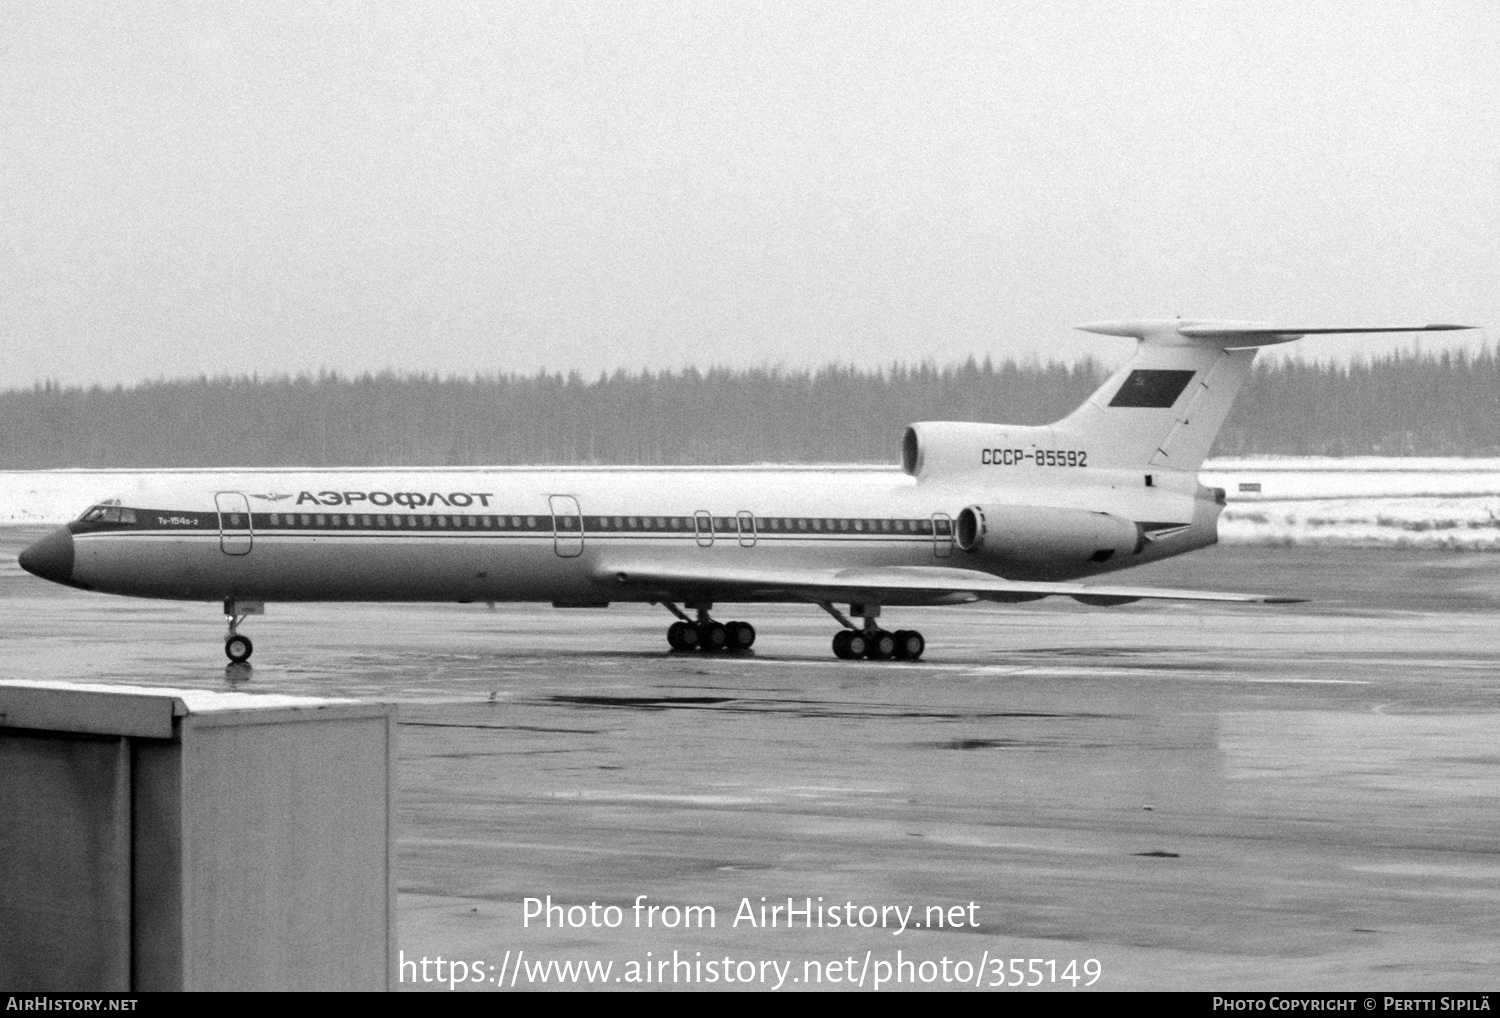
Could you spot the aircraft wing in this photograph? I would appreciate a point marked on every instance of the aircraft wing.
(909, 584)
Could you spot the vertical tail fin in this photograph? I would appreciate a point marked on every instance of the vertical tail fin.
(1165, 407)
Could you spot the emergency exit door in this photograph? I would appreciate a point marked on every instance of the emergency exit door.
(567, 526)
(942, 535)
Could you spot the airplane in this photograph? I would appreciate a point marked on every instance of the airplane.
(976, 511)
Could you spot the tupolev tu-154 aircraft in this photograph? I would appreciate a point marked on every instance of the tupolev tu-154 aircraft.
(977, 512)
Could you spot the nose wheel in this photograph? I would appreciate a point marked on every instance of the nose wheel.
(236, 647)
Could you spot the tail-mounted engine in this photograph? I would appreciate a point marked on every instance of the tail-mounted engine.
(946, 448)
(1040, 535)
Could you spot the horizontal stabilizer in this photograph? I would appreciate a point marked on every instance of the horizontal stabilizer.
(891, 584)
(1233, 335)
(1215, 332)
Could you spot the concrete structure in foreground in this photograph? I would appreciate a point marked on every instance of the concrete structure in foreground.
(163, 839)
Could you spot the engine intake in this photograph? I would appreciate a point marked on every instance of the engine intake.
(949, 448)
(969, 530)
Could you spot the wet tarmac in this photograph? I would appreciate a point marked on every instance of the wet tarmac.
(1189, 796)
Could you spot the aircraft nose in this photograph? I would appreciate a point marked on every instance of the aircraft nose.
(51, 558)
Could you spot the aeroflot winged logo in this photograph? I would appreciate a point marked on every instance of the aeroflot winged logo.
(270, 497)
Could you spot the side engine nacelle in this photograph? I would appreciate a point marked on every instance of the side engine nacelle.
(1038, 535)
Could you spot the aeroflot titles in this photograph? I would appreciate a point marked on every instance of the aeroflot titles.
(410, 499)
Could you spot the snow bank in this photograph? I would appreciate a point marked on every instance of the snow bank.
(1362, 500)
(43, 497)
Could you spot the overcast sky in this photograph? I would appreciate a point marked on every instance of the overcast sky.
(507, 186)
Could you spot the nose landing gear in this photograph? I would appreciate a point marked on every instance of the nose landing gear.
(236, 647)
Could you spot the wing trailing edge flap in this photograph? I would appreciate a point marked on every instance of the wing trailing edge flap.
(918, 583)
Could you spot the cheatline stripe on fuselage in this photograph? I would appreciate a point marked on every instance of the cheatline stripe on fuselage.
(151, 523)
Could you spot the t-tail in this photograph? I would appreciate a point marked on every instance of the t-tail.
(1160, 412)
(1164, 408)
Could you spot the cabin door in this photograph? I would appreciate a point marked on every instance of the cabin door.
(235, 535)
(567, 526)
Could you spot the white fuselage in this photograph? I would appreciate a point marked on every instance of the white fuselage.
(559, 535)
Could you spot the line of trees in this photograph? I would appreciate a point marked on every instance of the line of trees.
(1444, 404)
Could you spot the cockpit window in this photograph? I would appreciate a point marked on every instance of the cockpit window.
(108, 512)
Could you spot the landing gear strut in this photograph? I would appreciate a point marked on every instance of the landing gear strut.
(870, 641)
(704, 634)
(236, 647)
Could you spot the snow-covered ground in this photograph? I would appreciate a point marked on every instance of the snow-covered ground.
(1363, 500)
(1415, 503)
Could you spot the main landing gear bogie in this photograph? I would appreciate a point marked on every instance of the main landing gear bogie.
(870, 641)
(709, 636)
(879, 645)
